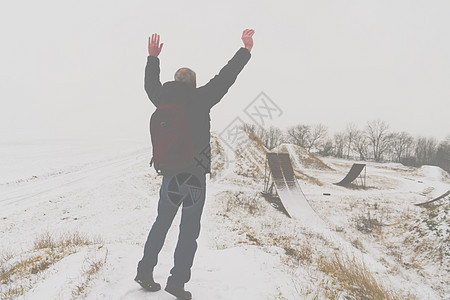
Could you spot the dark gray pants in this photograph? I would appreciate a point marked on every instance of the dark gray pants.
(192, 194)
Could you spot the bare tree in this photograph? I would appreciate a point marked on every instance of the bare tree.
(299, 135)
(401, 142)
(443, 154)
(318, 134)
(361, 144)
(379, 138)
(326, 149)
(350, 134)
(272, 137)
(426, 150)
(339, 144)
(250, 128)
(257, 131)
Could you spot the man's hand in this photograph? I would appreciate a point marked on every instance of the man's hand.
(247, 38)
(153, 45)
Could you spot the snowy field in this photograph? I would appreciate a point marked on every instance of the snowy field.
(105, 191)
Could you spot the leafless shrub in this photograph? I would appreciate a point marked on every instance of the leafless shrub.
(358, 245)
(299, 135)
(368, 224)
(298, 253)
(241, 200)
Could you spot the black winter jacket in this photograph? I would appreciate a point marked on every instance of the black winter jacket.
(200, 99)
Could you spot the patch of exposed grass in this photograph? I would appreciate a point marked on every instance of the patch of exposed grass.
(14, 275)
(349, 275)
(17, 273)
(339, 276)
(342, 275)
(295, 252)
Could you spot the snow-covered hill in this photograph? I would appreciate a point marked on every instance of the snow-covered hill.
(107, 195)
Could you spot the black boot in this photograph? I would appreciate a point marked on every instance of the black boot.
(178, 292)
(148, 283)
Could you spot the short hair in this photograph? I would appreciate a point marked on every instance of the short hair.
(185, 75)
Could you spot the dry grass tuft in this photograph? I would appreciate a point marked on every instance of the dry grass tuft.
(258, 142)
(5, 256)
(47, 241)
(218, 158)
(89, 273)
(12, 293)
(44, 241)
(355, 278)
(328, 290)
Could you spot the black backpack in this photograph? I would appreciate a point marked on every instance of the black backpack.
(171, 139)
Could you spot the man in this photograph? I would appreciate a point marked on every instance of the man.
(185, 185)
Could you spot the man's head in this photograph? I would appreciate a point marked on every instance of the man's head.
(186, 75)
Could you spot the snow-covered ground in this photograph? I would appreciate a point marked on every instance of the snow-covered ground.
(106, 189)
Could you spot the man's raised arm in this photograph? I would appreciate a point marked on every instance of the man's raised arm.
(152, 84)
(218, 86)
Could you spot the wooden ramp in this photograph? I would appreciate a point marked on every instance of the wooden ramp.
(434, 200)
(281, 177)
(354, 172)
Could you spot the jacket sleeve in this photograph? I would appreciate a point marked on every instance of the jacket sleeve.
(152, 84)
(218, 86)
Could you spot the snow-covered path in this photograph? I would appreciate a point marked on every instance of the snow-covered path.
(27, 194)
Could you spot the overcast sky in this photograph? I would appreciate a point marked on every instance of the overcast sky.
(74, 68)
